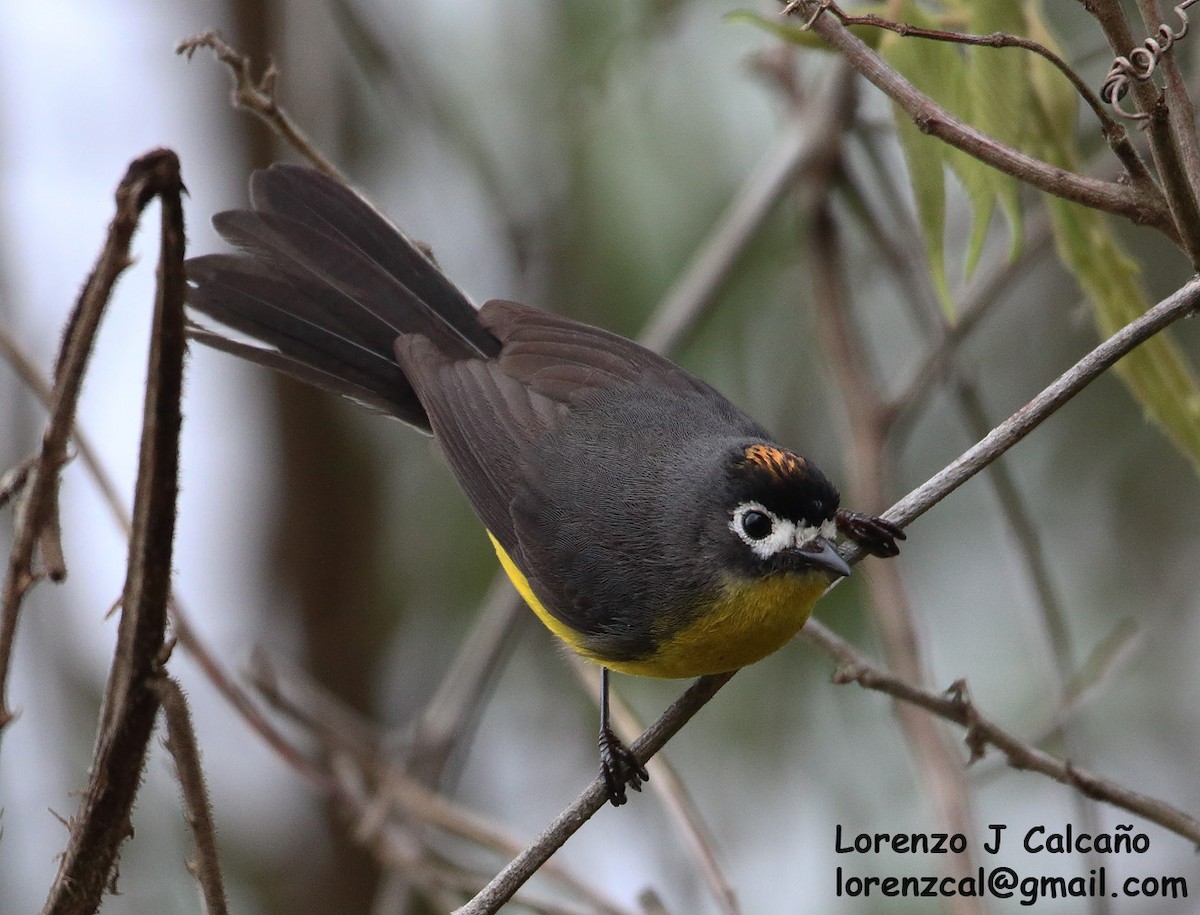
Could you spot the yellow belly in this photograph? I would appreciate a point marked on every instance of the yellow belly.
(748, 621)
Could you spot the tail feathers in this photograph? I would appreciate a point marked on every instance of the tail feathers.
(229, 289)
(330, 284)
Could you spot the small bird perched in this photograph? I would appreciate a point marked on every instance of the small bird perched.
(650, 524)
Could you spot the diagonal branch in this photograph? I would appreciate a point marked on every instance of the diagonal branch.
(1139, 205)
(1182, 303)
(1114, 132)
(595, 796)
(939, 771)
(956, 705)
(259, 97)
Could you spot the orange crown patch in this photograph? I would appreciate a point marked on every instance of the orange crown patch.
(775, 461)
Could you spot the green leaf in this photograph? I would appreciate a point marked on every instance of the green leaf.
(998, 93)
(1156, 373)
(935, 68)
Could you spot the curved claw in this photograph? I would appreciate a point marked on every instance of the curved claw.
(876, 535)
(619, 767)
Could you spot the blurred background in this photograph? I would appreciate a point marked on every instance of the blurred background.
(574, 156)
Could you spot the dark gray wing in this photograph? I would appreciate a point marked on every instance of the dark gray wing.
(565, 359)
(484, 421)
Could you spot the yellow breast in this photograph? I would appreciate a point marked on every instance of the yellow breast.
(747, 621)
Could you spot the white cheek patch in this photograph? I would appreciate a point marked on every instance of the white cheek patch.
(784, 534)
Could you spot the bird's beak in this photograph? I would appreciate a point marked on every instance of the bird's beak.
(822, 554)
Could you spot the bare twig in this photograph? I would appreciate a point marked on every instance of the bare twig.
(1182, 303)
(15, 478)
(184, 632)
(666, 783)
(130, 700)
(1114, 132)
(1028, 541)
(259, 97)
(181, 741)
(1140, 205)
(445, 884)
(800, 143)
(595, 796)
(447, 717)
(956, 705)
(351, 739)
(39, 513)
(974, 305)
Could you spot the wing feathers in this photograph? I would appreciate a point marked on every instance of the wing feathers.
(549, 351)
(484, 421)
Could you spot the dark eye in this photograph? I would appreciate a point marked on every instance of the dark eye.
(757, 525)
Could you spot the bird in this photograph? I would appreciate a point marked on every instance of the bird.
(651, 525)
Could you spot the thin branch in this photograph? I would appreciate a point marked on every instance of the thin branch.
(259, 97)
(1182, 303)
(442, 883)
(667, 784)
(502, 887)
(1025, 534)
(184, 632)
(39, 512)
(14, 479)
(345, 736)
(1114, 132)
(956, 705)
(1168, 157)
(974, 305)
(181, 742)
(1140, 205)
(130, 699)
(448, 716)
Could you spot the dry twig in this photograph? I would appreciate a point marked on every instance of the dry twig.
(1140, 205)
(131, 698)
(258, 97)
(181, 741)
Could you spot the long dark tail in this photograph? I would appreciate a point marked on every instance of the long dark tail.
(328, 284)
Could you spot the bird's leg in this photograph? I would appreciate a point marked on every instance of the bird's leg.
(877, 536)
(618, 765)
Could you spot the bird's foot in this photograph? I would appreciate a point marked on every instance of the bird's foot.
(877, 536)
(619, 767)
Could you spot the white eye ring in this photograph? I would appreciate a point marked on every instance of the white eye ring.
(781, 536)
